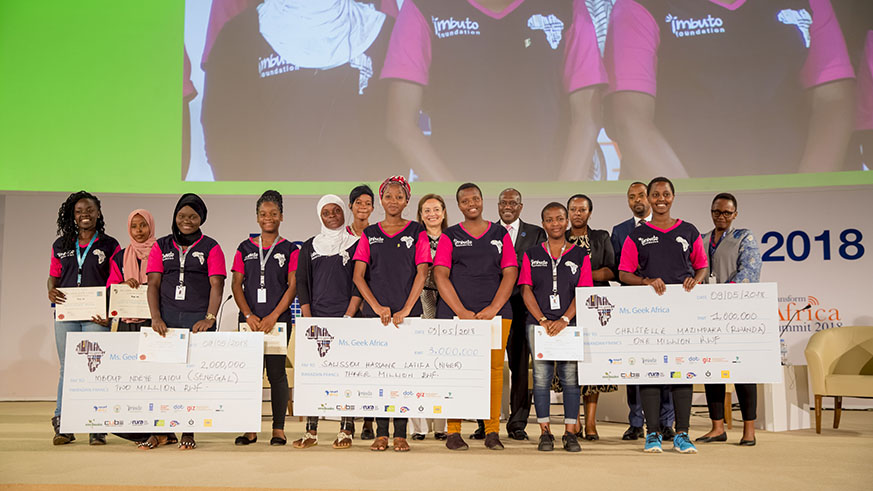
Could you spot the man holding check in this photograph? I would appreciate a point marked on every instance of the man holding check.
(550, 273)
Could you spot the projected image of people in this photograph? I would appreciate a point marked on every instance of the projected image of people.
(292, 89)
(510, 87)
(728, 87)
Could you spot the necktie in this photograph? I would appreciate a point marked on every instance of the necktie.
(641, 221)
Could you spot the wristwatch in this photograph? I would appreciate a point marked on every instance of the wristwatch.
(210, 316)
(543, 319)
(565, 319)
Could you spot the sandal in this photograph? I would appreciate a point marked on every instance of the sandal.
(308, 440)
(343, 440)
(244, 440)
(401, 445)
(152, 442)
(277, 441)
(171, 439)
(380, 444)
(187, 442)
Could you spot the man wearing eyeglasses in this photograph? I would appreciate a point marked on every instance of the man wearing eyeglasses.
(524, 236)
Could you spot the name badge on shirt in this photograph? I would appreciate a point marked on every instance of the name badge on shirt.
(180, 292)
(262, 295)
(555, 302)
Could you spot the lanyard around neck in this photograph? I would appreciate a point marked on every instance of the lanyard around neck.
(80, 259)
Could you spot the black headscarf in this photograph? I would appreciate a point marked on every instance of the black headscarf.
(199, 207)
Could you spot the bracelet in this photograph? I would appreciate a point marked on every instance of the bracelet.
(247, 316)
(210, 316)
(565, 319)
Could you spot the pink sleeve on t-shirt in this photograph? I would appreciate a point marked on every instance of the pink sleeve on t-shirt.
(409, 50)
(55, 267)
(585, 277)
(582, 64)
(422, 249)
(156, 260)
(115, 275)
(221, 12)
(292, 261)
(215, 262)
(238, 264)
(698, 256)
(864, 116)
(630, 257)
(828, 58)
(509, 258)
(443, 256)
(631, 54)
(524, 277)
(362, 253)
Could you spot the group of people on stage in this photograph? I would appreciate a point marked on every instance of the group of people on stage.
(400, 268)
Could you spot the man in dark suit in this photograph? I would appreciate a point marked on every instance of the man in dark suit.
(524, 236)
(638, 202)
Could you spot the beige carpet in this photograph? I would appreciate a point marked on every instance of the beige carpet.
(836, 459)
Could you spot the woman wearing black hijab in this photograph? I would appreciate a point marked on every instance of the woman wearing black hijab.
(186, 274)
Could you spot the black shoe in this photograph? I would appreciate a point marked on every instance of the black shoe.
(571, 444)
(518, 435)
(633, 433)
(439, 435)
(277, 441)
(492, 441)
(547, 442)
(60, 438)
(667, 433)
(243, 440)
(722, 437)
(367, 434)
(479, 434)
(591, 436)
(748, 443)
(97, 439)
(418, 436)
(455, 442)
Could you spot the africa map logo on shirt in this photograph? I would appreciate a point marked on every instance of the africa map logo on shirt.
(444, 28)
(101, 256)
(550, 25)
(573, 266)
(684, 243)
(798, 18)
(92, 351)
(498, 245)
(407, 240)
(200, 257)
(603, 307)
(695, 27)
(321, 337)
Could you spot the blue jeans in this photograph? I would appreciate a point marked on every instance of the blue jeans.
(543, 373)
(61, 330)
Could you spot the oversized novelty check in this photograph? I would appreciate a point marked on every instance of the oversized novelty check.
(423, 368)
(107, 389)
(726, 333)
(128, 302)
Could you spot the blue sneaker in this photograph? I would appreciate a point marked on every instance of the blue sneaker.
(682, 443)
(653, 443)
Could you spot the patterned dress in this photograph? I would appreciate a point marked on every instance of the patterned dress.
(429, 294)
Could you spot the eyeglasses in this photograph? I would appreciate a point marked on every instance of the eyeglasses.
(717, 213)
(509, 203)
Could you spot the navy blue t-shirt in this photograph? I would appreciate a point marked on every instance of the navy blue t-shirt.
(574, 269)
(672, 254)
(204, 259)
(95, 268)
(325, 282)
(277, 266)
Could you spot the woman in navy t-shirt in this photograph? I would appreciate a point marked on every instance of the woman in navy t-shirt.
(659, 253)
(475, 268)
(80, 257)
(392, 260)
(186, 280)
(264, 285)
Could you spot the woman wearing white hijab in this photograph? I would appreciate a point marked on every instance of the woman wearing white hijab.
(325, 289)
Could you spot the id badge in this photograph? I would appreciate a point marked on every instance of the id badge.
(262, 295)
(180, 292)
(555, 302)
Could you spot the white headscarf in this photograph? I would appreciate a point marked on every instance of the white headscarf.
(319, 33)
(331, 242)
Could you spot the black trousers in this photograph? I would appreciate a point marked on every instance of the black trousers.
(399, 427)
(746, 393)
(651, 399)
(518, 354)
(279, 393)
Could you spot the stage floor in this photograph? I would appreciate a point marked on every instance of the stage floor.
(836, 459)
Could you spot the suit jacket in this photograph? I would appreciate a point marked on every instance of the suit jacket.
(619, 233)
(528, 236)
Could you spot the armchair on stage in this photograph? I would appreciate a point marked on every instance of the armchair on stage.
(840, 364)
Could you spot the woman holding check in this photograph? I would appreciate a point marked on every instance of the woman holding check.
(391, 264)
(550, 273)
(186, 279)
(80, 258)
(264, 285)
(129, 265)
(475, 268)
(665, 251)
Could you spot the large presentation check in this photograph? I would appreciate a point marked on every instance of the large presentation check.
(424, 368)
(723, 333)
(108, 389)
